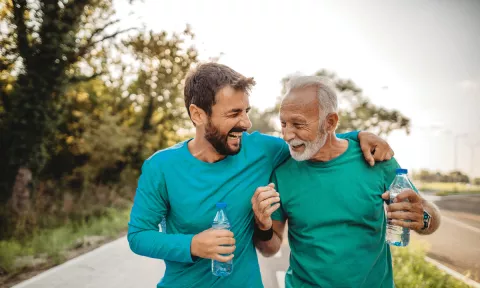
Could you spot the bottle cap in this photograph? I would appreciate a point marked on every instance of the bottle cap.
(221, 205)
(401, 171)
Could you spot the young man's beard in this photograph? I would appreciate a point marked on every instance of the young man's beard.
(219, 141)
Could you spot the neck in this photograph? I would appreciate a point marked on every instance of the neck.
(201, 149)
(333, 148)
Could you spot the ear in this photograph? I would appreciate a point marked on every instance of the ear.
(198, 115)
(332, 122)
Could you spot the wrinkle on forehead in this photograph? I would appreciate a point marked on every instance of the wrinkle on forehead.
(301, 99)
(305, 107)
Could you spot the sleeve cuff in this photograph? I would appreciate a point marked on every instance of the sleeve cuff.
(349, 135)
(184, 243)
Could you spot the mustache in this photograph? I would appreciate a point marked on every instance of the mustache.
(237, 129)
(295, 142)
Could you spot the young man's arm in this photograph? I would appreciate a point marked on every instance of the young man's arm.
(149, 207)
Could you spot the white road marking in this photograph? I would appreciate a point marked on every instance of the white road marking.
(453, 273)
(461, 224)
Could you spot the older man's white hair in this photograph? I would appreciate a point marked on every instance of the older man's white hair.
(327, 96)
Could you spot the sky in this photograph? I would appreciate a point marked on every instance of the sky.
(419, 57)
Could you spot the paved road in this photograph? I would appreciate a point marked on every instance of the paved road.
(455, 244)
(110, 266)
(114, 265)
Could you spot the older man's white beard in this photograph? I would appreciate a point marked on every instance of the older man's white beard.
(311, 147)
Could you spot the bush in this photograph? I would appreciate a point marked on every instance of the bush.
(54, 244)
(411, 270)
(8, 252)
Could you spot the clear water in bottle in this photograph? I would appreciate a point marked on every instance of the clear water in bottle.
(396, 235)
(220, 221)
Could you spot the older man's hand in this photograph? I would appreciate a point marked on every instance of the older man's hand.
(399, 211)
(262, 206)
(374, 148)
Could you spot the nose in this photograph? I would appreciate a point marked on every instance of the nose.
(287, 134)
(245, 122)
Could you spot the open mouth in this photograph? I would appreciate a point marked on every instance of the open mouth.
(234, 135)
(296, 147)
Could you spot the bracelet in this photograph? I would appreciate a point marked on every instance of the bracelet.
(263, 235)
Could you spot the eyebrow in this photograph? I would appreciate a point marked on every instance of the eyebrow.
(238, 110)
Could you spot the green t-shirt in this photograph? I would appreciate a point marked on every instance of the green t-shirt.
(336, 220)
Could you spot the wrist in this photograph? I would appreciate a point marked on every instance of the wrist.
(193, 246)
(262, 226)
(427, 221)
(263, 235)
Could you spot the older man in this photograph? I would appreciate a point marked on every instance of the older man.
(331, 198)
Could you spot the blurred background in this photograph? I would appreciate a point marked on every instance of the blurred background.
(91, 88)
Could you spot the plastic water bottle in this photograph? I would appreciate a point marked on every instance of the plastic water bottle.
(397, 235)
(221, 222)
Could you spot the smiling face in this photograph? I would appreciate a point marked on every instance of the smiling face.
(228, 121)
(301, 125)
(216, 97)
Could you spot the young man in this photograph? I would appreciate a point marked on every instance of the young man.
(222, 163)
(331, 198)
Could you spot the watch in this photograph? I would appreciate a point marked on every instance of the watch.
(427, 218)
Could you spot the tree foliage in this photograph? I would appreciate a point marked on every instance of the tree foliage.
(82, 104)
(42, 45)
(451, 177)
(356, 111)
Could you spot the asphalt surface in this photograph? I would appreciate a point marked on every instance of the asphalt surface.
(456, 244)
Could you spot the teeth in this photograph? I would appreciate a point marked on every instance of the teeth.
(235, 135)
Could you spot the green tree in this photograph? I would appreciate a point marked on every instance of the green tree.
(476, 181)
(42, 44)
(264, 121)
(157, 91)
(356, 111)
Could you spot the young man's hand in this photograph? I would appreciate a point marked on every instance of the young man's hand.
(374, 148)
(262, 207)
(211, 243)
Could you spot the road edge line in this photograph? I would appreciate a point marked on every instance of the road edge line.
(453, 273)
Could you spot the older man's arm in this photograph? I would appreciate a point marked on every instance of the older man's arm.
(412, 210)
(434, 212)
(270, 247)
(268, 235)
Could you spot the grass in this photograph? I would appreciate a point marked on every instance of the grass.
(53, 245)
(446, 193)
(412, 271)
(444, 189)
